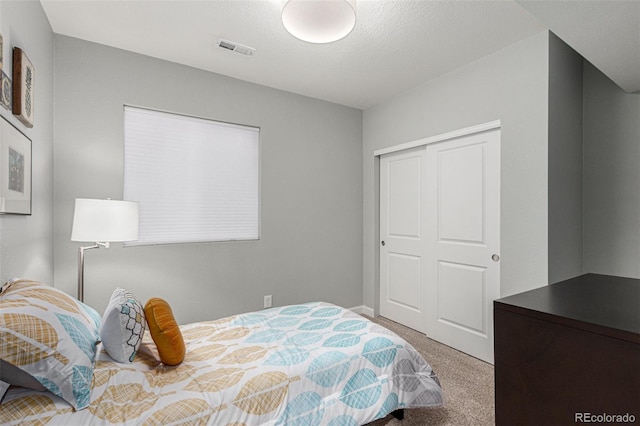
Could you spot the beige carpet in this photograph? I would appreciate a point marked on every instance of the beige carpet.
(467, 384)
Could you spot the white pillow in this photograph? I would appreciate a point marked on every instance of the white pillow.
(123, 325)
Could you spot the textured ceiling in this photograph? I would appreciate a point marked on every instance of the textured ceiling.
(396, 45)
(607, 33)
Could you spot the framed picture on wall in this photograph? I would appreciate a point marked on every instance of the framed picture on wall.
(15, 170)
(5, 92)
(23, 87)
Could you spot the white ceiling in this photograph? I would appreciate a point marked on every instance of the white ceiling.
(607, 33)
(396, 45)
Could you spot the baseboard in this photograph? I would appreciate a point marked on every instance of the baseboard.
(363, 310)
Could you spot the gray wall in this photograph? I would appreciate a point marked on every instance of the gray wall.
(26, 242)
(565, 161)
(311, 187)
(510, 85)
(611, 177)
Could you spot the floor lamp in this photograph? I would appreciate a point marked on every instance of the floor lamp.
(102, 222)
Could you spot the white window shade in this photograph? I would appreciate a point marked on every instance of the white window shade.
(195, 180)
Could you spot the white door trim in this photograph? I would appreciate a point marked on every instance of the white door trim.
(439, 138)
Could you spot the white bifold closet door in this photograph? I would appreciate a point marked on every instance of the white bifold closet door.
(440, 239)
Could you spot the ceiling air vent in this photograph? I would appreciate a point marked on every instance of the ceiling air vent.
(235, 47)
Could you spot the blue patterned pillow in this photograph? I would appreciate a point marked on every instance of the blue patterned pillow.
(50, 336)
(123, 326)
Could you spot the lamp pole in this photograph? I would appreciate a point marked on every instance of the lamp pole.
(81, 267)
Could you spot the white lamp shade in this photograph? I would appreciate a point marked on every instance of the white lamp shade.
(319, 21)
(105, 220)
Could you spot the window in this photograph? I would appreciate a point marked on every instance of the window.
(196, 180)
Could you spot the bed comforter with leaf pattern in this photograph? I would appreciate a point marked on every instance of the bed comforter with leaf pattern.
(309, 364)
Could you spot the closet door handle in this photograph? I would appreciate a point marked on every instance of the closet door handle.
(383, 243)
(495, 258)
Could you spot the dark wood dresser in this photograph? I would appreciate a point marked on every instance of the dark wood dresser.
(569, 352)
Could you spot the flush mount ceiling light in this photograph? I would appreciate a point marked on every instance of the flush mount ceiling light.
(319, 21)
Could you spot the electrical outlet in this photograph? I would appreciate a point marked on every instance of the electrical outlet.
(267, 301)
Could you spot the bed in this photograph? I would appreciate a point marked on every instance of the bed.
(308, 364)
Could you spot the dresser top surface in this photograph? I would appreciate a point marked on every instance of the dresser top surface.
(602, 300)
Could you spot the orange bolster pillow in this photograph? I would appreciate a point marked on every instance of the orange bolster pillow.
(165, 331)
